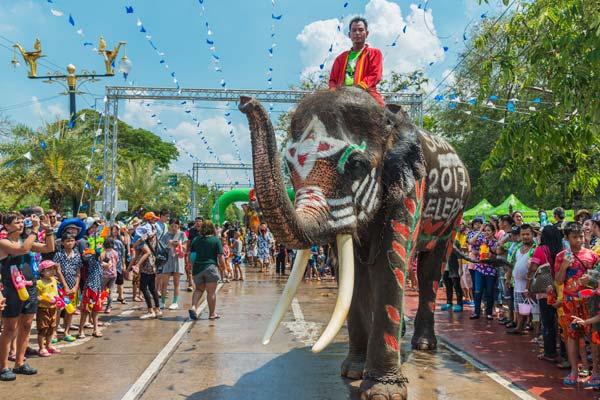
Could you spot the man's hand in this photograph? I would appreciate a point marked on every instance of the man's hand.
(584, 280)
(2, 302)
(578, 321)
(566, 263)
(44, 222)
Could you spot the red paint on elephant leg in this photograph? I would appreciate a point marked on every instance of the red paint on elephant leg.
(436, 286)
(401, 229)
(415, 233)
(419, 189)
(400, 250)
(432, 306)
(391, 342)
(393, 314)
(399, 277)
(410, 206)
(430, 245)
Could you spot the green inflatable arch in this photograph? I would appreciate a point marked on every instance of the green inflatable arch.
(218, 211)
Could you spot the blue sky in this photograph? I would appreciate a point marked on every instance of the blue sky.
(241, 32)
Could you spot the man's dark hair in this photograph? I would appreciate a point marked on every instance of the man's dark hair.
(526, 226)
(508, 218)
(358, 19)
(28, 211)
(559, 212)
(109, 243)
(199, 217)
(165, 211)
(174, 221)
(572, 227)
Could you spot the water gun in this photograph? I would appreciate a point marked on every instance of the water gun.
(484, 251)
(588, 293)
(20, 283)
(68, 306)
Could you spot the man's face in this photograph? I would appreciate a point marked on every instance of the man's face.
(575, 239)
(557, 218)
(198, 223)
(52, 216)
(596, 229)
(165, 218)
(358, 33)
(526, 236)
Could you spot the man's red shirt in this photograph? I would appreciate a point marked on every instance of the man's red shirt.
(369, 67)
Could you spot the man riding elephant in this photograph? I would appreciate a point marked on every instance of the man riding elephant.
(362, 65)
(384, 191)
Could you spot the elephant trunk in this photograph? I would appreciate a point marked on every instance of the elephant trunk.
(296, 229)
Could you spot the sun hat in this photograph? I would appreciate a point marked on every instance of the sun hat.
(150, 216)
(47, 264)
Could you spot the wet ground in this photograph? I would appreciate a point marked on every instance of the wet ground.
(224, 359)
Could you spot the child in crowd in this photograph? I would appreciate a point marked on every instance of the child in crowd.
(70, 264)
(224, 270)
(237, 257)
(92, 294)
(46, 314)
(109, 259)
(570, 266)
(280, 260)
(312, 272)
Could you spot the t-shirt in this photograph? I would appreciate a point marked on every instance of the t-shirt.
(351, 68)
(47, 291)
(207, 249)
(572, 285)
(520, 271)
(237, 247)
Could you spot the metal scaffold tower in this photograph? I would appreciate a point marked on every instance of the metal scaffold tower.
(410, 102)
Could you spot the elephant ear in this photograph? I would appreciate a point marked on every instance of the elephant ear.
(403, 163)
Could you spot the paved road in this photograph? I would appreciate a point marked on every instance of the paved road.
(224, 359)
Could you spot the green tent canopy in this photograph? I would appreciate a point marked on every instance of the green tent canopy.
(511, 202)
(482, 208)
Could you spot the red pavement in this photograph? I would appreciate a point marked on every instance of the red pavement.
(514, 357)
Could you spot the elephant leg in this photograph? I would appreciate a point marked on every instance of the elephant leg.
(359, 325)
(383, 378)
(429, 273)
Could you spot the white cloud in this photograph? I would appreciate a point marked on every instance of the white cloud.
(49, 113)
(414, 49)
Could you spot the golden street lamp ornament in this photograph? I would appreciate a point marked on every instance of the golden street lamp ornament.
(73, 81)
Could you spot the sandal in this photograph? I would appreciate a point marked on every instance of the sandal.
(97, 334)
(216, 316)
(81, 336)
(122, 301)
(563, 364)
(510, 324)
(570, 380)
(474, 316)
(53, 350)
(44, 353)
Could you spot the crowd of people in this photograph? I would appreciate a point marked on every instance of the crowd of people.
(83, 271)
(538, 277)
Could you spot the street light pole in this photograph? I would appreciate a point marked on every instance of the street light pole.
(73, 80)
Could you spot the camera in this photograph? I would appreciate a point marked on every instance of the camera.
(27, 222)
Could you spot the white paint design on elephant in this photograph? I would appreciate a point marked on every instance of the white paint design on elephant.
(310, 196)
(442, 208)
(314, 144)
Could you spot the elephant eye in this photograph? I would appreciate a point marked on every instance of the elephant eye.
(357, 166)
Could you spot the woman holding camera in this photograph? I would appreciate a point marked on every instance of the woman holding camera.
(20, 289)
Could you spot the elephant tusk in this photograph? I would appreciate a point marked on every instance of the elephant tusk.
(288, 294)
(344, 299)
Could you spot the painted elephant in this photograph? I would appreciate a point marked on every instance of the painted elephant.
(384, 191)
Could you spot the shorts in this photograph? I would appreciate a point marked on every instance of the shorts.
(571, 308)
(251, 253)
(209, 275)
(518, 297)
(45, 320)
(92, 301)
(15, 307)
(237, 259)
(119, 280)
(465, 279)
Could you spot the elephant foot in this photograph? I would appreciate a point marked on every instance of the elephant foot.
(424, 342)
(384, 389)
(352, 369)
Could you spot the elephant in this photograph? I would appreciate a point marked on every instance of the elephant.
(383, 191)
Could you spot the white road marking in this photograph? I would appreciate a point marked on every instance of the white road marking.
(490, 373)
(141, 384)
(487, 371)
(305, 331)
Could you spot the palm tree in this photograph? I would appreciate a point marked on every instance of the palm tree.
(50, 162)
(138, 183)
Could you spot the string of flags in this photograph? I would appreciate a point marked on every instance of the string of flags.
(217, 66)
(187, 110)
(491, 102)
(270, 50)
(333, 44)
